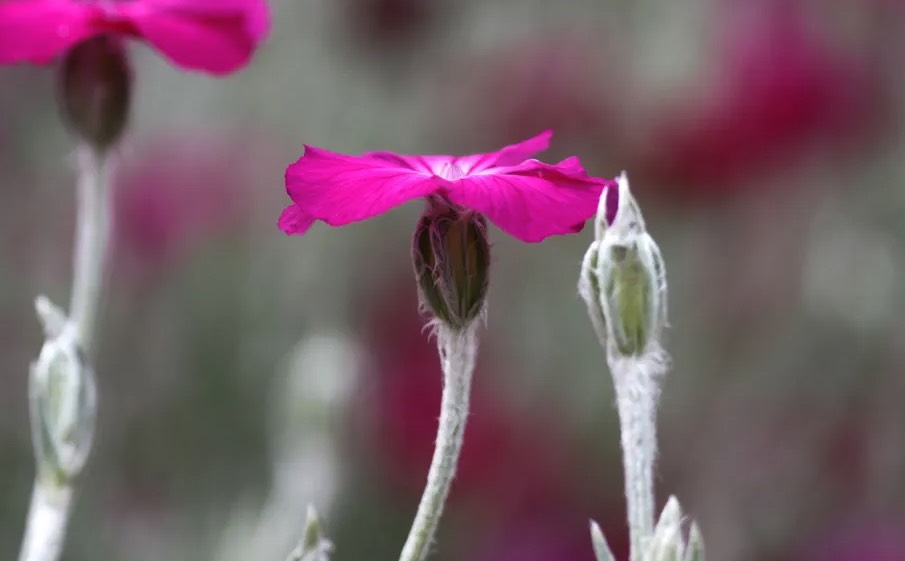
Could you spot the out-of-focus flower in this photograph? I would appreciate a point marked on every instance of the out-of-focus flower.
(553, 536)
(519, 461)
(536, 85)
(781, 87)
(391, 24)
(527, 199)
(178, 194)
(216, 36)
(881, 541)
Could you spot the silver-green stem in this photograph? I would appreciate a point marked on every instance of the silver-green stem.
(91, 243)
(458, 350)
(47, 518)
(63, 402)
(635, 379)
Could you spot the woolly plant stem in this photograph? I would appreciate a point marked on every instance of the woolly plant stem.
(458, 350)
(637, 391)
(92, 235)
(47, 519)
(53, 489)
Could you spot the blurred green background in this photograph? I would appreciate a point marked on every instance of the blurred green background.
(244, 373)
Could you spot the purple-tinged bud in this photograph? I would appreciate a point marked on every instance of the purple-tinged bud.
(95, 90)
(451, 255)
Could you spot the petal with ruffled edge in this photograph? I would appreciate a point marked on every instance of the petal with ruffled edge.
(533, 200)
(218, 37)
(340, 189)
(454, 167)
(293, 220)
(38, 31)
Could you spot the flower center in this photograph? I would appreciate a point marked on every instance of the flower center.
(451, 171)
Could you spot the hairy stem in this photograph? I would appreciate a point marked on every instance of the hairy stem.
(46, 526)
(458, 350)
(637, 392)
(59, 465)
(92, 234)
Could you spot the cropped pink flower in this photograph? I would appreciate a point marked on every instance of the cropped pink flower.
(527, 199)
(216, 36)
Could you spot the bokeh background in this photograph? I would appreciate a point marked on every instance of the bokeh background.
(244, 373)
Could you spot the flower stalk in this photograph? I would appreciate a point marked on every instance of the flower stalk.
(451, 258)
(623, 282)
(95, 89)
(62, 390)
(458, 351)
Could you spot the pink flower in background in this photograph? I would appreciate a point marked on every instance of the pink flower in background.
(563, 83)
(521, 471)
(399, 414)
(782, 87)
(882, 540)
(387, 24)
(527, 199)
(180, 193)
(216, 36)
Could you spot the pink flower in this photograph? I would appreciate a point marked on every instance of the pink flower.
(216, 36)
(526, 198)
(185, 192)
(782, 88)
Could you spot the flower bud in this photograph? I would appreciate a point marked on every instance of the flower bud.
(623, 279)
(95, 89)
(451, 255)
(314, 546)
(63, 400)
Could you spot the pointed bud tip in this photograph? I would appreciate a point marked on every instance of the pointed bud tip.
(672, 511)
(598, 541)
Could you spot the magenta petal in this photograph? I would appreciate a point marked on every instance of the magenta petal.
(37, 31)
(254, 12)
(515, 154)
(341, 189)
(451, 167)
(533, 200)
(294, 221)
(201, 34)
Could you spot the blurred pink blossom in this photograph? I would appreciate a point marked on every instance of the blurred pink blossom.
(216, 36)
(781, 87)
(540, 84)
(518, 460)
(176, 193)
(882, 540)
(388, 24)
(548, 535)
(526, 198)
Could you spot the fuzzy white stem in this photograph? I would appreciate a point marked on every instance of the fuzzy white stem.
(637, 392)
(92, 234)
(45, 528)
(458, 351)
(47, 518)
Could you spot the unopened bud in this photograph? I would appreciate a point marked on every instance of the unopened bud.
(95, 89)
(314, 546)
(623, 279)
(451, 255)
(63, 401)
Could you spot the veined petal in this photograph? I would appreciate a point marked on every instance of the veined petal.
(340, 189)
(293, 220)
(515, 154)
(216, 37)
(441, 166)
(37, 31)
(255, 12)
(533, 200)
